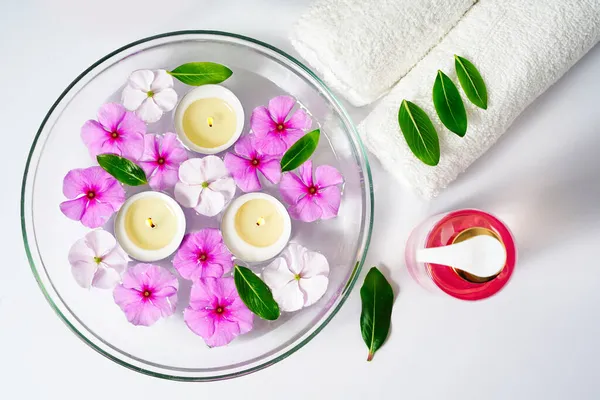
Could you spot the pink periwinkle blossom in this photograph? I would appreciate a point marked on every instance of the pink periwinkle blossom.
(148, 293)
(161, 159)
(203, 254)
(275, 131)
(249, 160)
(216, 312)
(94, 195)
(312, 199)
(117, 131)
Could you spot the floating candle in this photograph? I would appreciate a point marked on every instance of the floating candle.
(256, 227)
(209, 119)
(150, 226)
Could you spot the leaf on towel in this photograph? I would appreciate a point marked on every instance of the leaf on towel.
(377, 299)
(449, 104)
(471, 81)
(419, 132)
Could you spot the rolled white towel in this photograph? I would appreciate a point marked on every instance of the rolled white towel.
(519, 47)
(362, 48)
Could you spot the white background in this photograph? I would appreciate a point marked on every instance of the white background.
(536, 339)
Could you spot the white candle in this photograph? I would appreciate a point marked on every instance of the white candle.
(150, 226)
(209, 119)
(256, 227)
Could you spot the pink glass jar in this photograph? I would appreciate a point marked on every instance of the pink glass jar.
(453, 227)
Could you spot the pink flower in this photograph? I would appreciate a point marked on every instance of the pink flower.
(161, 159)
(249, 160)
(117, 131)
(94, 194)
(310, 199)
(202, 254)
(148, 292)
(275, 133)
(216, 312)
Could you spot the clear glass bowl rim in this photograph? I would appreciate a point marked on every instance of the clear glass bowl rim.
(366, 234)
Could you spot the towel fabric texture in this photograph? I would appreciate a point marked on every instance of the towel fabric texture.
(519, 47)
(362, 48)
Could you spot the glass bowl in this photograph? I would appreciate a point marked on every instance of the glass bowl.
(169, 349)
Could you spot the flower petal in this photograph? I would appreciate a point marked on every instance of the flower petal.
(172, 149)
(271, 169)
(329, 200)
(166, 99)
(207, 239)
(313, 289)
(149, 111)
(141, 79)
(163, 179)
(245, 146)
(190, 171)
(292, 188)
(106, 278)
(110, 115)
(225, 186)
(280, 107)
(162, 80)
(261, 122)
(112, 193)
(96, 214)
(199, 321)
(151, 151)
(80, 251)
(204, 291)
(243, 172)
(74, 209)
(294, 256)
(83, 272)
(132, 98)
(306, 210)
(225, 332)
(131, 124)
(272, 144)
(213, 168)
(326, 175)
(74, 183)
(187, 195)
(291, 136)
(166, 305)
(117, 259)
(314, 264)
(221, 256)
(100, 242)
(305, 172)
(277, 274)
(299, 120)
(211, 203)
(93, 136)
(290, 297)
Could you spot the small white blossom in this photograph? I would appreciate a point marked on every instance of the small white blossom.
(149, 94)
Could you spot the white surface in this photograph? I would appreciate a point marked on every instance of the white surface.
(541, 178)
(520, 58)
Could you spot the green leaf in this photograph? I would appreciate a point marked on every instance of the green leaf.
(449, 104)
(201, 73)
(420, 135)
(471, 81)
(377, 299)
(122, 169)
(255, 294)
(300, 151)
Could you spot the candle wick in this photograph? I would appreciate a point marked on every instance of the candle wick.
(260, 221)
(210, 121)
(150, 223)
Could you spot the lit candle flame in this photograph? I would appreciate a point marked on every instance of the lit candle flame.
(260, 221)
(210, 121)
(150, 223)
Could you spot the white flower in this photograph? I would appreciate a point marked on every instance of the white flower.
(204, 185)
(97, 260)
(149, 94)
(298, 278)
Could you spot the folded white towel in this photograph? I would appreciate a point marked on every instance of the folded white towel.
(362, 48)
(519, 47)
